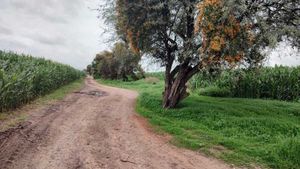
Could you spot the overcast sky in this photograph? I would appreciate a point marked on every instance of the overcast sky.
(68, 31)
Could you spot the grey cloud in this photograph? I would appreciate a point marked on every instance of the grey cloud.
(5, 31)
(49, 40)
(4, 4)
(55, 19)
(62, 30)
(10, 44)
(52, 10)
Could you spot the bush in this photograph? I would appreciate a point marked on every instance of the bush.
(23, 78)
(214, 91)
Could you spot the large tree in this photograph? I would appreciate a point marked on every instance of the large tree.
(188, 35)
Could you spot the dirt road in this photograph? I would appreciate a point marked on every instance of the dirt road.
(94, 128)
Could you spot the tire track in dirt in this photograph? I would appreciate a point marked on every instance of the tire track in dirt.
(96, 127)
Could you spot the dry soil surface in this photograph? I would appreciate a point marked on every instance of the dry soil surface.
(96, 127)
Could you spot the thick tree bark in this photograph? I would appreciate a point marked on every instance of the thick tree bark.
(175, 92)
(175, 85)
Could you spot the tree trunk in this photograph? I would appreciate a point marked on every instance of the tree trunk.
(175, 84)
(175, 90)
(173, 95)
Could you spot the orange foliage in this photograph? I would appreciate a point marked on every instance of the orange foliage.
(217, 43)
(215, 34)
(132, 38)
(233, 27)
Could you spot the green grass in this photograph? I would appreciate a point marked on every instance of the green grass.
(12, 118)
(213, 91)
(61, 93)
(244, 132)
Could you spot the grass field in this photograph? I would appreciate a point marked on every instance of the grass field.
(245, 132)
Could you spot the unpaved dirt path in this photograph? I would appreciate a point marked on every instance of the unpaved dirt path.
(94, 128)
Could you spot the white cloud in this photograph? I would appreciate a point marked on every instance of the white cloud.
(285, 55)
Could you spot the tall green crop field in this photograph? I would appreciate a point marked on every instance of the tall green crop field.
(279, 83)
(24, 78)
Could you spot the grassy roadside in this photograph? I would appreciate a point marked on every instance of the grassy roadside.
(245, 132)
(11, 118)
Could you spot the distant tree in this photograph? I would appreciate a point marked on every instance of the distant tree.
(89, 70)
(128, 62)
(190, 35)
(103, 65)
(120, 63)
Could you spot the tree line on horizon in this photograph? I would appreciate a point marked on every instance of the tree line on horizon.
(119, 63)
